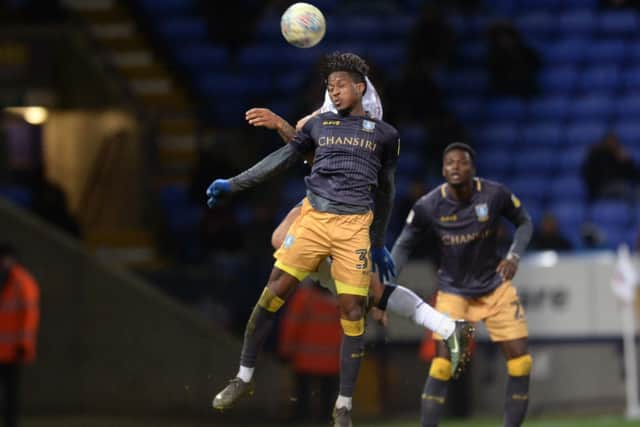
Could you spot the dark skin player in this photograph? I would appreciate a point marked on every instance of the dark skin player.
(459, 170)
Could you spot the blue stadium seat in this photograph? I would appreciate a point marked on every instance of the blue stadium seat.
(574, 4)
(542, 134)
(631, 78)
(181, 29)
(265, 56)
(494, 162)
(618, 22)
(410, 162)
(535, 24)
(560, 79)
(395, 26)
(568, 186)
(606, 51)
(18, 195)
(284, 107)
(268, 28)
(534, 208)
(555, 107)
(233, 85)
(173, 197)
(611, 212)
(628, 107)
(387, 55)
(412, 136)
(566, 51)
(628, 132)
(582, 134)
(542, 160)
(167, 7)
(201, 56)
(600, 77)
(528, 188)
(363, 28)
(616, 235)
(572, 158)
(502, 108)
(472, 80)
(569, 213)
(592, 107)
(291, 82)
(474, 52)
(580, 22)
(498, 134)
(468, 110)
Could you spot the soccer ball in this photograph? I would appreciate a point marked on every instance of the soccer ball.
(303, 25)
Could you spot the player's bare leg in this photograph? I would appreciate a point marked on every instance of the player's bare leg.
(517, 389)
(278, 288)
(352, 310)
(281, 230)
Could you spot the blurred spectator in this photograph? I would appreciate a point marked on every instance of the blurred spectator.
(19, 318)
(431, 41)
(549, 237)
(592, 237)
(310, 335)
(231, 23)
(513, 66)
(609, 170)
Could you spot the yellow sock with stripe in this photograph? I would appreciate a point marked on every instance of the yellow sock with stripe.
(517, 390)
(435, 392)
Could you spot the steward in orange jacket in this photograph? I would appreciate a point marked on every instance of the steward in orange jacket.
(310, 336)
(19, 317)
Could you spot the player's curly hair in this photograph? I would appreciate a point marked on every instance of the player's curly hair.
(345, 61)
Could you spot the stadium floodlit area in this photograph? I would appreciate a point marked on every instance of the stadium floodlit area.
(117, 115)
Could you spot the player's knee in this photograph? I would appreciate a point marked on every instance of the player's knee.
(520, 366)
(352, 328)
(270, 301)
(352, 310)
(440, 369)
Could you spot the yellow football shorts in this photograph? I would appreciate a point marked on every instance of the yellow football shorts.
(315, 235)
(500, 310)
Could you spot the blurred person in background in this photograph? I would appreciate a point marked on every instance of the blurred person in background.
(474, 281)
(513, 65)
(609, 170)
(310, 335)
(548, 236)
(19, 318)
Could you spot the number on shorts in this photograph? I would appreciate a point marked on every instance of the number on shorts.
(364, 257)
(519, 312)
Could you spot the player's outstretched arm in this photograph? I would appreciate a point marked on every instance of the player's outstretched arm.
(263, 117)
(271, 165)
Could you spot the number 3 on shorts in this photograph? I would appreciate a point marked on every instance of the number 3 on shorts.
(363, 255)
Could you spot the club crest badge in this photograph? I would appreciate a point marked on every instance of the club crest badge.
(482, 212)
(288, 241)
(368, 126)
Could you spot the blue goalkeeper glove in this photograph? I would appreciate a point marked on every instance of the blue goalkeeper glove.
(218, 189)
(383, 263)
